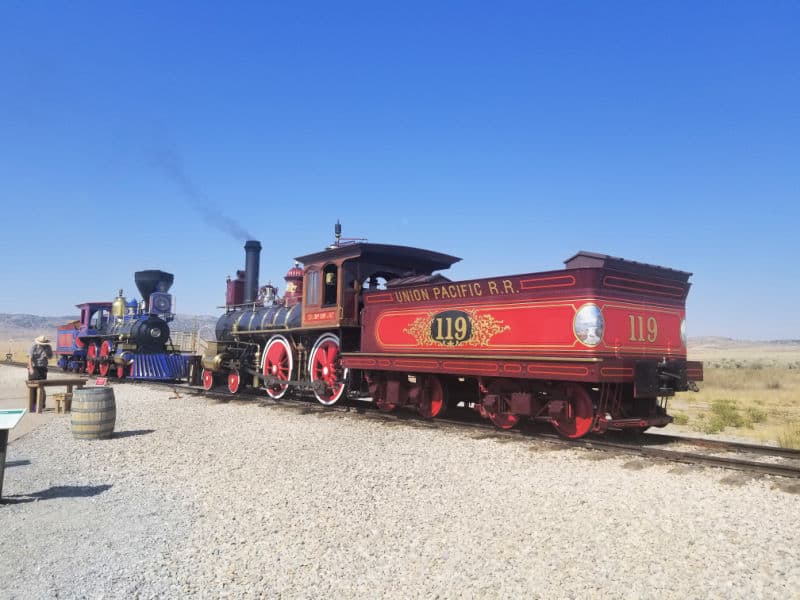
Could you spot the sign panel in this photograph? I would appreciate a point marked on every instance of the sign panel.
(10, 417)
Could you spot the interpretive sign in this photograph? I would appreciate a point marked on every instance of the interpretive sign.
(10, 417)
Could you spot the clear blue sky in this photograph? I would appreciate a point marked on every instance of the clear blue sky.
(512, 134)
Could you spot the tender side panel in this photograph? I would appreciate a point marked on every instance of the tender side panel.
(574, 370)
(585, 370)
(538, 316)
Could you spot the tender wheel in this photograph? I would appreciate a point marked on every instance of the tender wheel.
(497, 405)
(324, 366)
(105, 356)
(279, 363)
(234, 382)
(431, 396)
(92, 353)
(577, 418)
(377, 389)
(208, 379)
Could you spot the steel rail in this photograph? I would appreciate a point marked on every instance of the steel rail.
(729, 446)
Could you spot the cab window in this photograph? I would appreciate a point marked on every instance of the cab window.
(312, 288)
(330, 285)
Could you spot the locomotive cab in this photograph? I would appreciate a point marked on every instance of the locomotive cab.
(335, 279)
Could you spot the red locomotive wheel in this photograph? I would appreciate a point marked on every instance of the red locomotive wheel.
(580, 413)
(91, 359)
(378, 391)
(500, 414)
(120, 371)
(234, 382)
(208, 379)
(324, 366)
(431, 396)
(105, 357)
(503, 420)
(278, 362)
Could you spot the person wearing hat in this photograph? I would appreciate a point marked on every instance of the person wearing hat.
(38, 356)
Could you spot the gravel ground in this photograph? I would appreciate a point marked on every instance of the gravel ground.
(205, 499)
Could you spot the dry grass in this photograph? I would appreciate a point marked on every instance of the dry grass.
(789, 437)
(752, 393)
(17, 349)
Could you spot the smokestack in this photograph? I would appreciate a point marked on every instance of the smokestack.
(152, 281)
(252, 252)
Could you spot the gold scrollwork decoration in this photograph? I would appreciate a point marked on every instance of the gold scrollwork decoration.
(483, 328)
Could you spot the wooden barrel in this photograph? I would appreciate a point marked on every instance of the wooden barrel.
(94, 413)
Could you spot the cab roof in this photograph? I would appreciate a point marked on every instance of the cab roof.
(402, 258)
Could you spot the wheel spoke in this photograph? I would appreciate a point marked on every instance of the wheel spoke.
(208, 379)
(579, 413)
(91, 358)
(323, 367)
(277, 363)
(432, 401)
(234, 382)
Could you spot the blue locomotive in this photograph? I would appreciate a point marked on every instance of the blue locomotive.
(125, 339)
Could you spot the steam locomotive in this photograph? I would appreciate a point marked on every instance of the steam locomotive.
(125, 339)
(598, 345)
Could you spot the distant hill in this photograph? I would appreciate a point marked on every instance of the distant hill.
(724, 343)
(24, 325)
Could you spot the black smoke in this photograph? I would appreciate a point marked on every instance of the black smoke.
(170, 163)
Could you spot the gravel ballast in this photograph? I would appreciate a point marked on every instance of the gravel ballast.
(197, 497)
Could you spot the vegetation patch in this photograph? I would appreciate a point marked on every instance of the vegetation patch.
(681, 418)
(724, 413)
(789, 437)
(754, 414)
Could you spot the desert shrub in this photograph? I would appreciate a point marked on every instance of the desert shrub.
(726, 409)
(724, 413)
(681, 418)
(789, 437)
(714, 424)
(773, 385)
(755, 415)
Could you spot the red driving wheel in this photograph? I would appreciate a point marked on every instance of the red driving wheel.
(324, 366)
(234, 382)
(91, 359)
(208, 379)
(105, 357)
(278, 363)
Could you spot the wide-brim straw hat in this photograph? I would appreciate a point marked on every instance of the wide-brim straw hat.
(42, 339)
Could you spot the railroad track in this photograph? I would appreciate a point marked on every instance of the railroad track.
(783, 462)
(786, 461)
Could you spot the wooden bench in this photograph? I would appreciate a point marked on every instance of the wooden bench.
(36, 393)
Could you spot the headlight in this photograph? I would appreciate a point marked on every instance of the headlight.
(683, 332)
(588, 325)
(155, 332)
